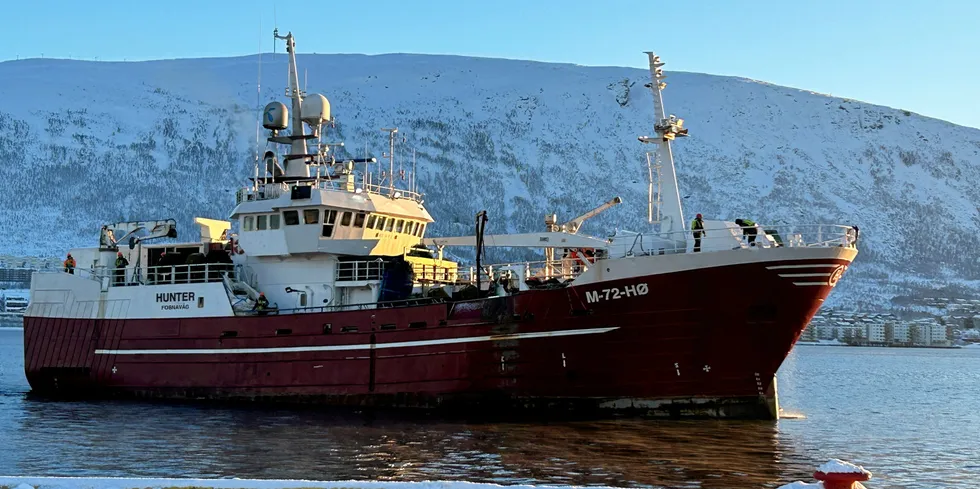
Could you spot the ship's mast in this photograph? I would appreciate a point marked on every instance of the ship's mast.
(391, 158)
(296, 161)
(667, 128)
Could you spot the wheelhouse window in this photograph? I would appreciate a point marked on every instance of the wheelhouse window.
(415, 229)
(329, 218)
(261, 222)
(381, 223)
(422, 230)
(372, 219)
(291, 218)
(400, 226)
(345, 219)
(311, 216)
(274, 221)
(359, 220)
(390, 225)
(248, 223)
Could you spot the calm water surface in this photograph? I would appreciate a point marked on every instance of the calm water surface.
(911, 416)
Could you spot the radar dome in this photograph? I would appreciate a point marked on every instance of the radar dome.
(316, 109)
(274, 116)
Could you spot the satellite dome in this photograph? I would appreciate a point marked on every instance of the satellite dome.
(274, 116)
(316, 109)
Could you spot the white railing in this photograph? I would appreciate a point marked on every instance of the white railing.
(188, 274)
(171, 274)
(719, 239)
(395, 193)
(733, 238)
(353, 271)
(356, 271)
(267, 191)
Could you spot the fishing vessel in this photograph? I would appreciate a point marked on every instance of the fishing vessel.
(331, 291)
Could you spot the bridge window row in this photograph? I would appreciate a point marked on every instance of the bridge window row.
(330, 217)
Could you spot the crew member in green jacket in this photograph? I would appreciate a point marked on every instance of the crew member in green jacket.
(120, 271)
(697, 227)
(748, 229)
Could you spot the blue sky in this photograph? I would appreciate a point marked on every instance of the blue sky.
(919, 56)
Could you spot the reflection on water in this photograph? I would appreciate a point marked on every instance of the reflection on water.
(137, 439)
(881, 412)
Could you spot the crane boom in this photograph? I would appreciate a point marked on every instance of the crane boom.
(573, 226)
(164, 228)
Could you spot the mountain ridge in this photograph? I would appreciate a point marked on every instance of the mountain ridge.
(448, 55)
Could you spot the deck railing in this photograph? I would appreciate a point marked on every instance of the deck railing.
(746, 237)
(170, 274)
(714, 240)
(188, 274)
(362, 270)
(273, 190)
(396, 193)
(366, 270)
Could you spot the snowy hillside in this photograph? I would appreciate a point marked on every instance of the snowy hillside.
(83, 143)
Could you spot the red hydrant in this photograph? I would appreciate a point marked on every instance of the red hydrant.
(838, 474)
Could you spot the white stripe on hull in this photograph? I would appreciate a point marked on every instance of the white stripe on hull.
(804, 284)
(363, 346)
(801, 275)
(818, 265)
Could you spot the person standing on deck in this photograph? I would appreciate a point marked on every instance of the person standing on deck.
(70, 264)
(748, 229)
(261, 304)
(120, 271)
(697, 227)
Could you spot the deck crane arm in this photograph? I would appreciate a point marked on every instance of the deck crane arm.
(115, 233)
(573, 226)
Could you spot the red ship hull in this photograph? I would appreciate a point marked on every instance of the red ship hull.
(697, 342)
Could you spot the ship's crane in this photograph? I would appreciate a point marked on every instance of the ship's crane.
(165, 228)
(572, 227)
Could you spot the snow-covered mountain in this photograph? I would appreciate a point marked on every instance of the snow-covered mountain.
(83, 143)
